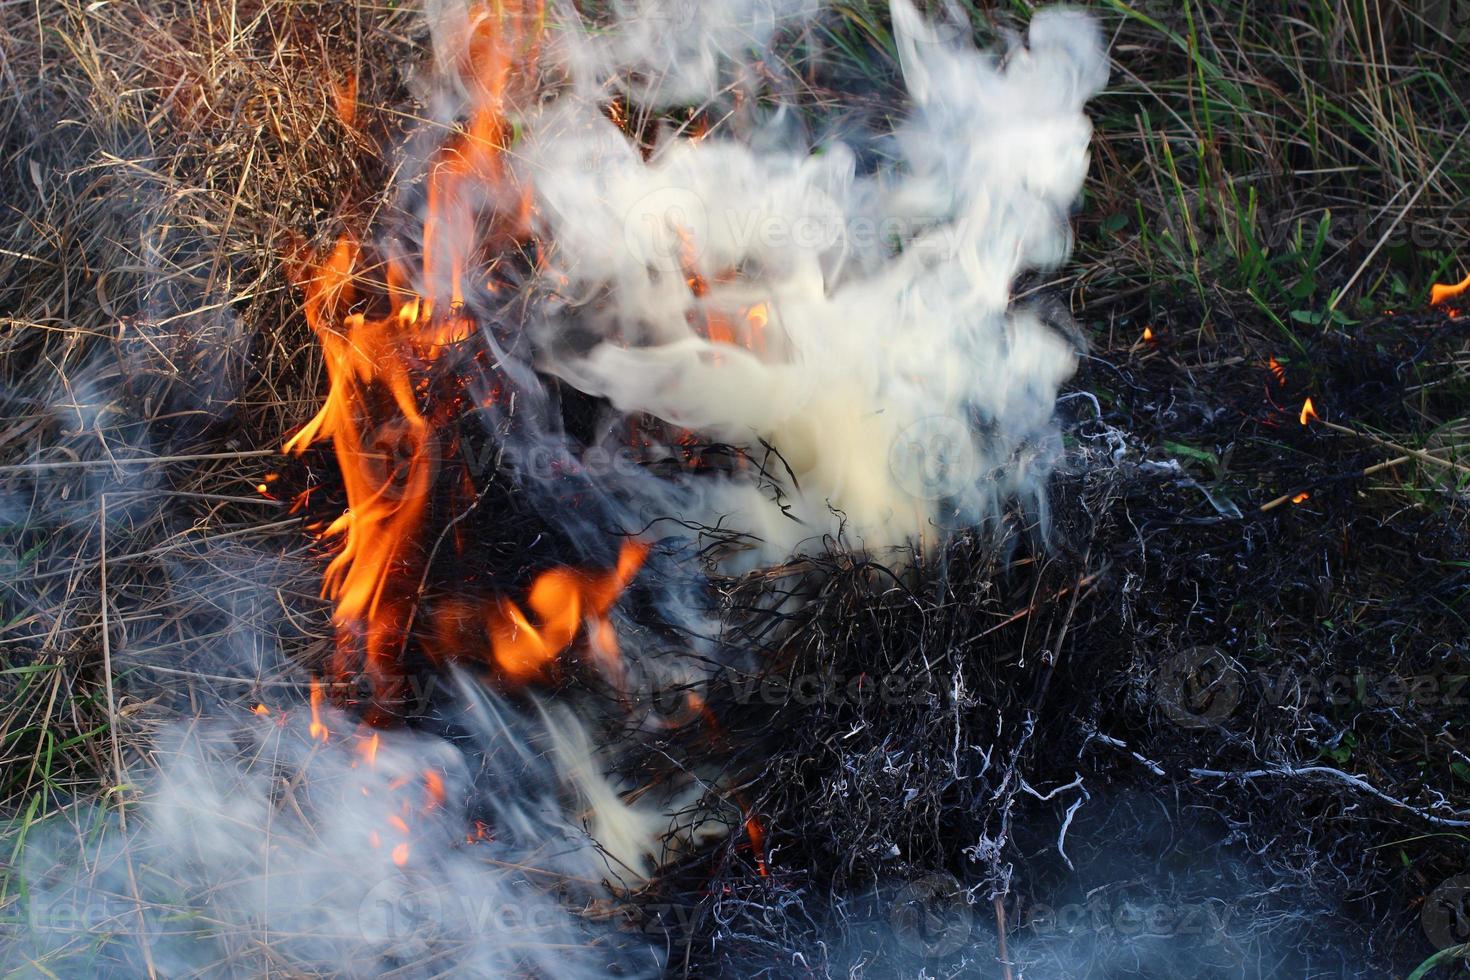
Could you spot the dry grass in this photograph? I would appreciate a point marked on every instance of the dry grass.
(152, 356)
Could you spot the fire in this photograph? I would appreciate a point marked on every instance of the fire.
(1308, 412)
(386, 414)
(562, 600)
(1277, 371)
(368, 749)
(1299, 498)
(757, 833)
(1148, 333)
(1439, 295)
(434, 788)
(317, 730)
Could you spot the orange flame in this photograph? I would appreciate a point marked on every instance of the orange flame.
(1301, 497)
(563, 601)
(377, 413)
(1439, 294)
(434, 786)
(1308, 412)
(317, 730)
(1148, 333)
(757, 833)
(368, 749)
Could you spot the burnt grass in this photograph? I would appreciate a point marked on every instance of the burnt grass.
(1162, 625)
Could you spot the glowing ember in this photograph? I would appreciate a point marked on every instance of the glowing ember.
(261, 709)
(1277, 371)
(434, 786)
(1308, 412)
(757, 833)
(318, 730)
(1301, 497)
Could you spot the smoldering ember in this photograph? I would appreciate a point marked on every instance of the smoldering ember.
(727, 488)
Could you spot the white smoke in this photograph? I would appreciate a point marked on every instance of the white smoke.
(257, 844)
(869, 336)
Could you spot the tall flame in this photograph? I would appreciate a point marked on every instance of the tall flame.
(379, 414)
